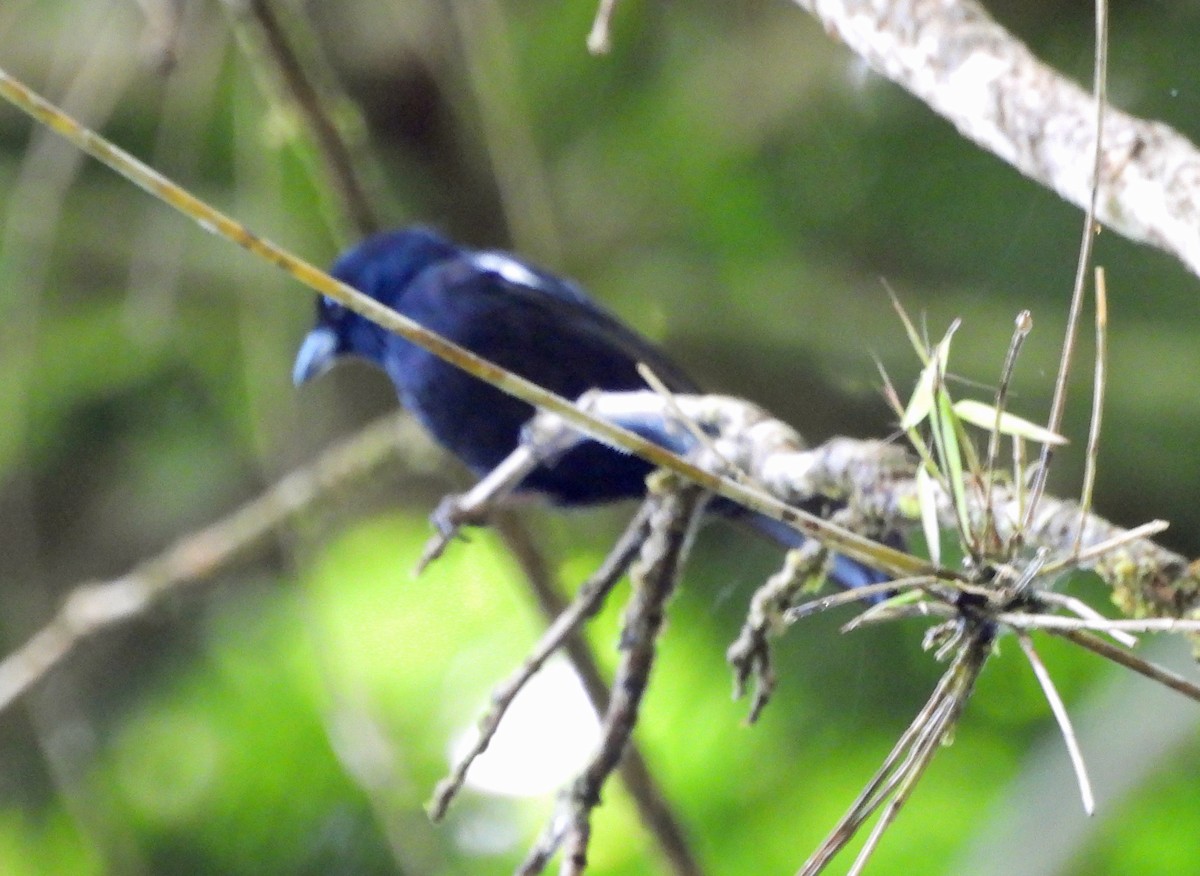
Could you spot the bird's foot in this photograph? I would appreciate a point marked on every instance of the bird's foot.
(474, 508)
(451, 515)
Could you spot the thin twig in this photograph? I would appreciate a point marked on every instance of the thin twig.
(1096, 645)
(1059, 709)
(1082, 609)
(1028, 621)
(213, 220)
(858, 594)
(1021, 329)
(1099, 378)
(298, 90)
(1059, 402)
(675, 513)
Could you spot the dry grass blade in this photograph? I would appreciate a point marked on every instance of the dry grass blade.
(1064, 722)
(907, 760)
(1096, 551)
(858, 594)
(1021, 330)
(1059, 403)
(1098, 383)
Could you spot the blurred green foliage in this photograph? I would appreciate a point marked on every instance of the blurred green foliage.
(731, 182)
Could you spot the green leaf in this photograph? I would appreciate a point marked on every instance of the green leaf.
(983, 415)
(932, 376)
(927, 499)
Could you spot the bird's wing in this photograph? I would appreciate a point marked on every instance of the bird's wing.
(546, 304)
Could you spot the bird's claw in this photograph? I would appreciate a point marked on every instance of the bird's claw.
(448, 519)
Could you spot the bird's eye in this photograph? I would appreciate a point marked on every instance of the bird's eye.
(329, 310)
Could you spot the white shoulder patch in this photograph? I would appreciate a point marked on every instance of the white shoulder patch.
(507, 267)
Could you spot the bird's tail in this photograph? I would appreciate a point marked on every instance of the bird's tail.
(846, 572)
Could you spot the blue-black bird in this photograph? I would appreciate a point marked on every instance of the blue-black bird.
(527, 320)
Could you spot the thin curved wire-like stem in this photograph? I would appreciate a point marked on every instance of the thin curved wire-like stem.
(1058, 404)
(1059, 709)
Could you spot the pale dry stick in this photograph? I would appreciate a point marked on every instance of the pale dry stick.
(886, 613)
(1059, 709)
(213, 220)
(1099, 379)
(846, 597)
(1029, 621)
(1082, 609)
(1058, 403)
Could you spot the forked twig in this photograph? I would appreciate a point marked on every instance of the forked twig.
(587, 602)
(675, 511)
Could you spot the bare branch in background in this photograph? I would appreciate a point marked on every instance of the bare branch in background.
(93, 608)
(981, 78)
(265, 41)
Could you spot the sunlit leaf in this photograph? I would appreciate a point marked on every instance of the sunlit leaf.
(921, 402)
(952, 459)
(983, 415)
(927, 499)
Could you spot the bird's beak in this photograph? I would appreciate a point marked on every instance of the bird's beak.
(316, 355)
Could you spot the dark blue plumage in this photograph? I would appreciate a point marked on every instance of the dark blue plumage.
(520, 317)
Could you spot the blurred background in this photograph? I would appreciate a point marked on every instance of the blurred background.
(728, 180)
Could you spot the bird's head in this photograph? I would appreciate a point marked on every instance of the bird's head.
(381, 266)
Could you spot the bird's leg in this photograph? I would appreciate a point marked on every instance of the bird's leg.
(474, 507)
(544, 438)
